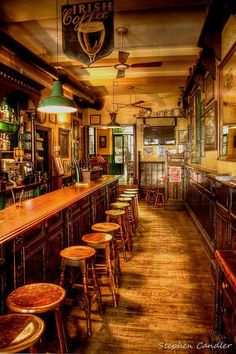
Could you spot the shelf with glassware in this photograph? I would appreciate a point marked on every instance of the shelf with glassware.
(8, 129)
(18, 179)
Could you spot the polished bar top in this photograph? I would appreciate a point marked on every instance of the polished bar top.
(14, 220)
(227, 261)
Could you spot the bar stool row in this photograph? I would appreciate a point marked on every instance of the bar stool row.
(98, 258)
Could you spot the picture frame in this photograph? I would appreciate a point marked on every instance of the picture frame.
(75, 149)
(64, 142)
(182, 136)
(75, 128)
(102, 141)
(95, 119)
(57, 165)
(52, 118)
(42, 118)
(210, 122)
(209, 89)
(65, 165)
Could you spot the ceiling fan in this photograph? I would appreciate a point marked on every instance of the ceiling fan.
(135, 103)
(123, 56)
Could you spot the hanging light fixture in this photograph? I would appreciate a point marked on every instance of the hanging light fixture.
(57, 102)
(113, 109)
(113, 123)
(144, 124)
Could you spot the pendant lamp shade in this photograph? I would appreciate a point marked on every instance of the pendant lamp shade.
(113, 123)
(57, 102)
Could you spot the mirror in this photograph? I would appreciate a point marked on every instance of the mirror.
(228, 106)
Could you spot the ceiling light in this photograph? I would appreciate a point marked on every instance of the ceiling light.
(57, 102)
(113, 123)
(113, 110)
(144, 124)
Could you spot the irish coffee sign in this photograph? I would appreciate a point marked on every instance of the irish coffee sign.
(88, 30)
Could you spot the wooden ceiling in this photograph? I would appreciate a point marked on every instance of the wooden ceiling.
(157, 30)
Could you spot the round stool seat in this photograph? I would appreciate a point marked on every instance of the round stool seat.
(36, 298)
(115, 212)
(131, 189)
(120, 205)
(130, 192)
(124, 199)
(97, 237)
(105, 227)
(129, 195)
(77, 252)
(19, 332)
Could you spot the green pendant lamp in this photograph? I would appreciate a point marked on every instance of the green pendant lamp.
(57, 102)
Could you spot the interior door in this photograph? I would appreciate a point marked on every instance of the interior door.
(118, 155)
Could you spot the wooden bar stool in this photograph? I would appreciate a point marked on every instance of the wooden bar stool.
(159, 201)
(81, 257)
(19, 332)
(131, 210)
(128, 207)
(111, 228)
(135, 193)
(39, 298)
(103, 241)
(122, 235)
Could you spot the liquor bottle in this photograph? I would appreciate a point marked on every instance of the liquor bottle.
(8, 143)
(4, 142)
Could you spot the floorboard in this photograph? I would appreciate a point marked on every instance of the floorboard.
(166, 294)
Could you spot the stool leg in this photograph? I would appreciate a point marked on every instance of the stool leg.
(96, 287)
(86, 300)
(60, 331)
(127, 235)
(62, 277)
(110, 275)
(117, 269)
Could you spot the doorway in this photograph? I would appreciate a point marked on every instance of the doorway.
(123, 161)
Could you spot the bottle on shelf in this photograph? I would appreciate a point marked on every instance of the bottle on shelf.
(4, 142)
(8, 143)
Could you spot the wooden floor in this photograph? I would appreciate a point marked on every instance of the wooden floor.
(165, 298)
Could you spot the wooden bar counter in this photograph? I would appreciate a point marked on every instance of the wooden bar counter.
(32, 236)
(225, 315)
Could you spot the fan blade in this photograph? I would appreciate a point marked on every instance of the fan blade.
(147, 65)
(137, 102)
(96, 67)
(122, 56)
(120, 74)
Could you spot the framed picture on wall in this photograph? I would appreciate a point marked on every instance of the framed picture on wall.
(183, 136)
(209, 89)
(102, 141)
(57, 165)
(210, 127)
(52, 118)
(64, 142)
(75, 128)
(95, 119)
